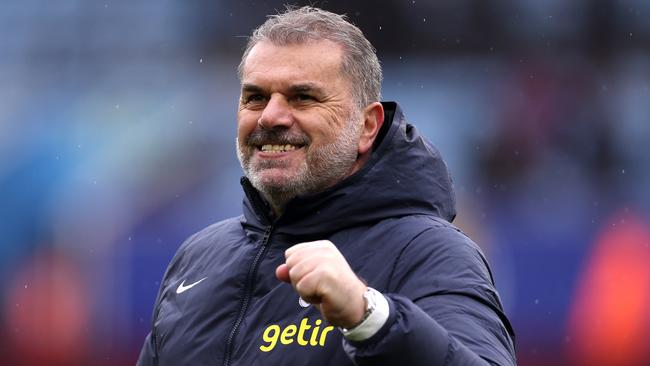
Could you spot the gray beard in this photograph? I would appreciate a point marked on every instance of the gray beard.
(323, 167)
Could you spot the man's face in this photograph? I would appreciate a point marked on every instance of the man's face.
(298, 127)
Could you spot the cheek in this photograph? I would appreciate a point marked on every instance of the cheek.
(320, 130)
(245, 125)
(325, 125)
(322, 138)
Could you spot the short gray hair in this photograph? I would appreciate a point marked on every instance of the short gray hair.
(299, 25)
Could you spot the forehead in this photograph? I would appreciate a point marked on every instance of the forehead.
(316, 61)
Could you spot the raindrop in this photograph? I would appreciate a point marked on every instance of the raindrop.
(117, 106)
(201, 60)
(536, 301)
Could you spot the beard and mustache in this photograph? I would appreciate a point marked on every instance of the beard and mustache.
(322, 167)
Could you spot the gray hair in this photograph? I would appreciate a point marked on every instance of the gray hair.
(299, 25)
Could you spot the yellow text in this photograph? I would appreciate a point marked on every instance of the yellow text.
(304, 335)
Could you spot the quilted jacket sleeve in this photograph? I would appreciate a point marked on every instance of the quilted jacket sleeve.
(444, 309)
(147, 354)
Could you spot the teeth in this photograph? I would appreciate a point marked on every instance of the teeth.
(278, 148)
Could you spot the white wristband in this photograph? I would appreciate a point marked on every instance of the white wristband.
(375, 320)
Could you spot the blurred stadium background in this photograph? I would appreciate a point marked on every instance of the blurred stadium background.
(117, 125)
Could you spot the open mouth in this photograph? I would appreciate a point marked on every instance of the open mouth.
(268, 148)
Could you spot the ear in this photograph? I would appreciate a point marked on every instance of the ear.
(373, 118)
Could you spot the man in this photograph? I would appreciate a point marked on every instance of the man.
(345, 253)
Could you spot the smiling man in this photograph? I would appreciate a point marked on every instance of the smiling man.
(299, 126)
(345, 253)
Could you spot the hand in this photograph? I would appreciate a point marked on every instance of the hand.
(321, 276)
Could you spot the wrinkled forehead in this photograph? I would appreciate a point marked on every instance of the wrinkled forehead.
(317, 58)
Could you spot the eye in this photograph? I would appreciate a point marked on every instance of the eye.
(254, 101)
(305, 98)
(254, 98)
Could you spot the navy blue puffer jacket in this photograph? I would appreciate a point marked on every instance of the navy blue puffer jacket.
(221, 304)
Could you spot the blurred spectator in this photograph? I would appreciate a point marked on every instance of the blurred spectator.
(610, 323)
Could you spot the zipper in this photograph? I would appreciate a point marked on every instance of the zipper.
(252, 271)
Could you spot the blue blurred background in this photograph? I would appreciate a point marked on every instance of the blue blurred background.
(117, 128)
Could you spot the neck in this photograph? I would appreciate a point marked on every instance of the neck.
(277, 204)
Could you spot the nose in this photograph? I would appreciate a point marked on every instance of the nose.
(276, 113)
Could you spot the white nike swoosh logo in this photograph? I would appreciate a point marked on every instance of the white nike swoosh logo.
(182, 288)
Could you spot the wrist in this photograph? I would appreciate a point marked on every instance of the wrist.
(374, 317)
(359, 308)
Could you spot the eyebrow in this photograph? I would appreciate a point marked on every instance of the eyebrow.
(251, 88)
(294, 89)
(306, 88)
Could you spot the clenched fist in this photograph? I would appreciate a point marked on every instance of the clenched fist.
(321, 276)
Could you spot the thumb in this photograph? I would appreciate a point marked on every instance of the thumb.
(282, 273)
